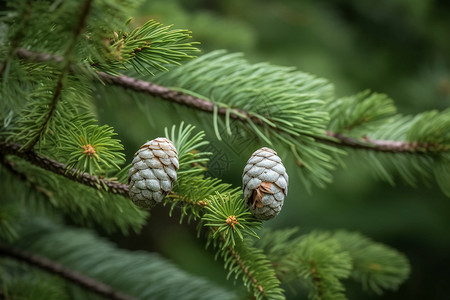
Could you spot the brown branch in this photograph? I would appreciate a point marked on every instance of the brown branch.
(67, 66)
(66, 273)
(56, 167)
(387, 146)
(338, 139)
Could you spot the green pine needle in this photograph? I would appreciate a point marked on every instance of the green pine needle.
(89, 148)
(152, 47)
(190, 159)
(230, 219)
(376, 266)
(357, 115)
(322, 260)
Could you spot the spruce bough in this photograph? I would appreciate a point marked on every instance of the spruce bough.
(55, 155)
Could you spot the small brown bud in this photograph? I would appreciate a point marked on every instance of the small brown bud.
(89, 150)
(231, 220)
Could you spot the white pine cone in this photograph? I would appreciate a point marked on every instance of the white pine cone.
(265, 184)
(153, 171)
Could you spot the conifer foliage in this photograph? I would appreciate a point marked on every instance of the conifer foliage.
(58, 163)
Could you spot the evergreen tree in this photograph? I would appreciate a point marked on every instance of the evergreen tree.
(61, 169)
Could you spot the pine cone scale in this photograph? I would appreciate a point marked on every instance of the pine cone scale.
(145, 155)
(266, 163)
(172, 173)
(281, 182)
(255, 171)
(147, 174)
(152, 185)
(174, 160)
(269, 176)
(160, 174)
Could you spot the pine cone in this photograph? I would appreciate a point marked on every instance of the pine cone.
(153, 171)
(265, 184)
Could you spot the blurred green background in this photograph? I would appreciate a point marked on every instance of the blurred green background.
(397, 47)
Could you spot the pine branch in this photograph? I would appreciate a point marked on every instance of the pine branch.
(387, 146)
(56, 167)
(244, 268)
(338, 139)
(55, 268)
(59, 85)
(257, 271)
